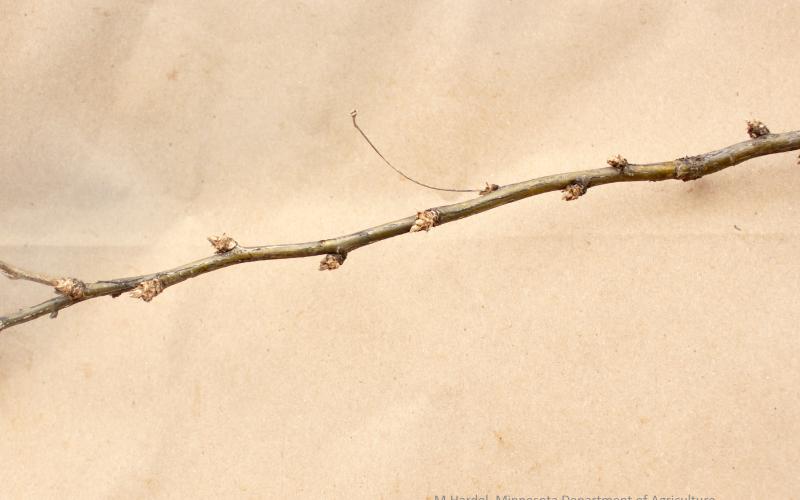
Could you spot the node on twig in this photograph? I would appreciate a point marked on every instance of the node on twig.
(71, 287)
(490, 188)
(689, 168)
(756, 129)
(574, 191)
(425, 220)
(147, 290)
(223, 244)
(332, 261)
(618, 162)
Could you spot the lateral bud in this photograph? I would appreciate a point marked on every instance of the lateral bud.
(223, 244)
(70, 287)
(575, 190)
(756, 129)
(332, 261)
(618, 162)
(147, 290)
(425, 220)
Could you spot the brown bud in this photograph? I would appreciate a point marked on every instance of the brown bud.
(332, 261)
(223, 244)
(425, 220)
(71, 287)
(617, 162)
(147, 290)
(574, 191)
(756, 129)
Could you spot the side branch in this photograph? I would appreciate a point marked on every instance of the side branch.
(15, 273)
(228, 252)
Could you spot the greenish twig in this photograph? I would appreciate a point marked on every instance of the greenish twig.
(574, 185)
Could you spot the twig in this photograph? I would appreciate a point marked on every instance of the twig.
(15, 273)
(335, 250)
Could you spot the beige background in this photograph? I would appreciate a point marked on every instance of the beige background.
(633, 342)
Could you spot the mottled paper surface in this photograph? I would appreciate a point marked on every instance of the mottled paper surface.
(641, 340)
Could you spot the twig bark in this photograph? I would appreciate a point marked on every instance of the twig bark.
(574, 184)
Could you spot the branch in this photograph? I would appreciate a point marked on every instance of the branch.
(228, 252)
(15, 273)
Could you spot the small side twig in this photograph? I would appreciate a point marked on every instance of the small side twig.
(69, 287)
(16, 273)
(354, 114)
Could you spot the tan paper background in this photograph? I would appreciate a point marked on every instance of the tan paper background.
(633, 342)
